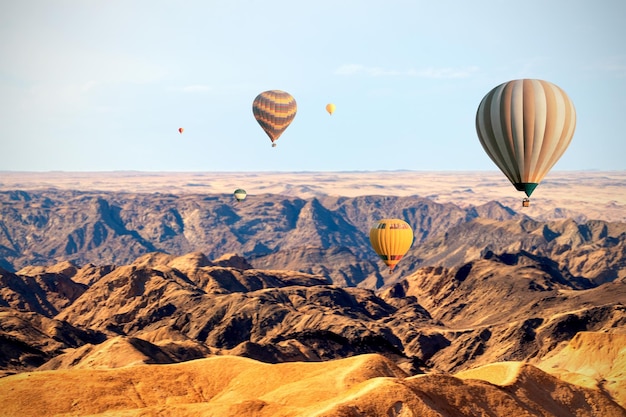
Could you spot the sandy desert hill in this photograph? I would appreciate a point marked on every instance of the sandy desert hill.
(151, 294)
(366, 385)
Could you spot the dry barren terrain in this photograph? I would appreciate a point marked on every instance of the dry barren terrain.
(590, 194)
(155, 294)
(366, 385)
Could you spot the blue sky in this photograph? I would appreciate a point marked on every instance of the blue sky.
(105, 85)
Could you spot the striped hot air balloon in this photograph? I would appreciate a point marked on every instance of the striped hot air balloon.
(274, 110)
(525, 126)
(391, 239)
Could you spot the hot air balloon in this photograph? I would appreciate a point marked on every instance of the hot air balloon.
(391, 239)
(274, 110)
(525, 126)
(180, 130)
(240, 194)
(330, 108)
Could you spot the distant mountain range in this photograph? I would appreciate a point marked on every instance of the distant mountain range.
(326, 235)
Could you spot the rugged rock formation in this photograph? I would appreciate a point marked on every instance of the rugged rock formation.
(28, 340)
(325, 235)
(506, 307)
(499, 308)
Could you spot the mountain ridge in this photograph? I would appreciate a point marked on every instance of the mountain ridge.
(326, 235)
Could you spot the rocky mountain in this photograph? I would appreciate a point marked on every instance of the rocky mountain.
(508, 306)
(592, 251)
(325, 235)
(29, 340)
(164, 309)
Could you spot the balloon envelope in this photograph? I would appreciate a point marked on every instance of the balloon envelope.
(274, 110)
(391, 239)
(525, 126)
(180, 130)
(240, 194)
(330, 108)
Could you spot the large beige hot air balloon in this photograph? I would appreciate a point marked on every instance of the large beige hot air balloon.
(391, 239)
(274, 110)
(525, 126)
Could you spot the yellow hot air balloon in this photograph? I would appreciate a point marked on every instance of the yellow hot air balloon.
(391, 239)
(274, 110)
(525, 126)
(330, 108)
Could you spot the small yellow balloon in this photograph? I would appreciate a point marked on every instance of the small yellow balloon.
(330, 108)
(391, 240)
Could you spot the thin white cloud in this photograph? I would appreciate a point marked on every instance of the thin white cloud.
(195, 88)
(441, 73)
(88, 86)
(444, 72)
(615, 65)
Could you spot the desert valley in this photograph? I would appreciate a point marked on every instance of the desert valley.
(157, 294)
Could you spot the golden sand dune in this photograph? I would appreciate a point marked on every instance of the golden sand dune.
(501, 373)
(366, 385)
(223, 385)
(594, 360)
(116, 352)
(591, 359)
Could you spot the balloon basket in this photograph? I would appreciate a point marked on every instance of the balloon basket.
(525, 202)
